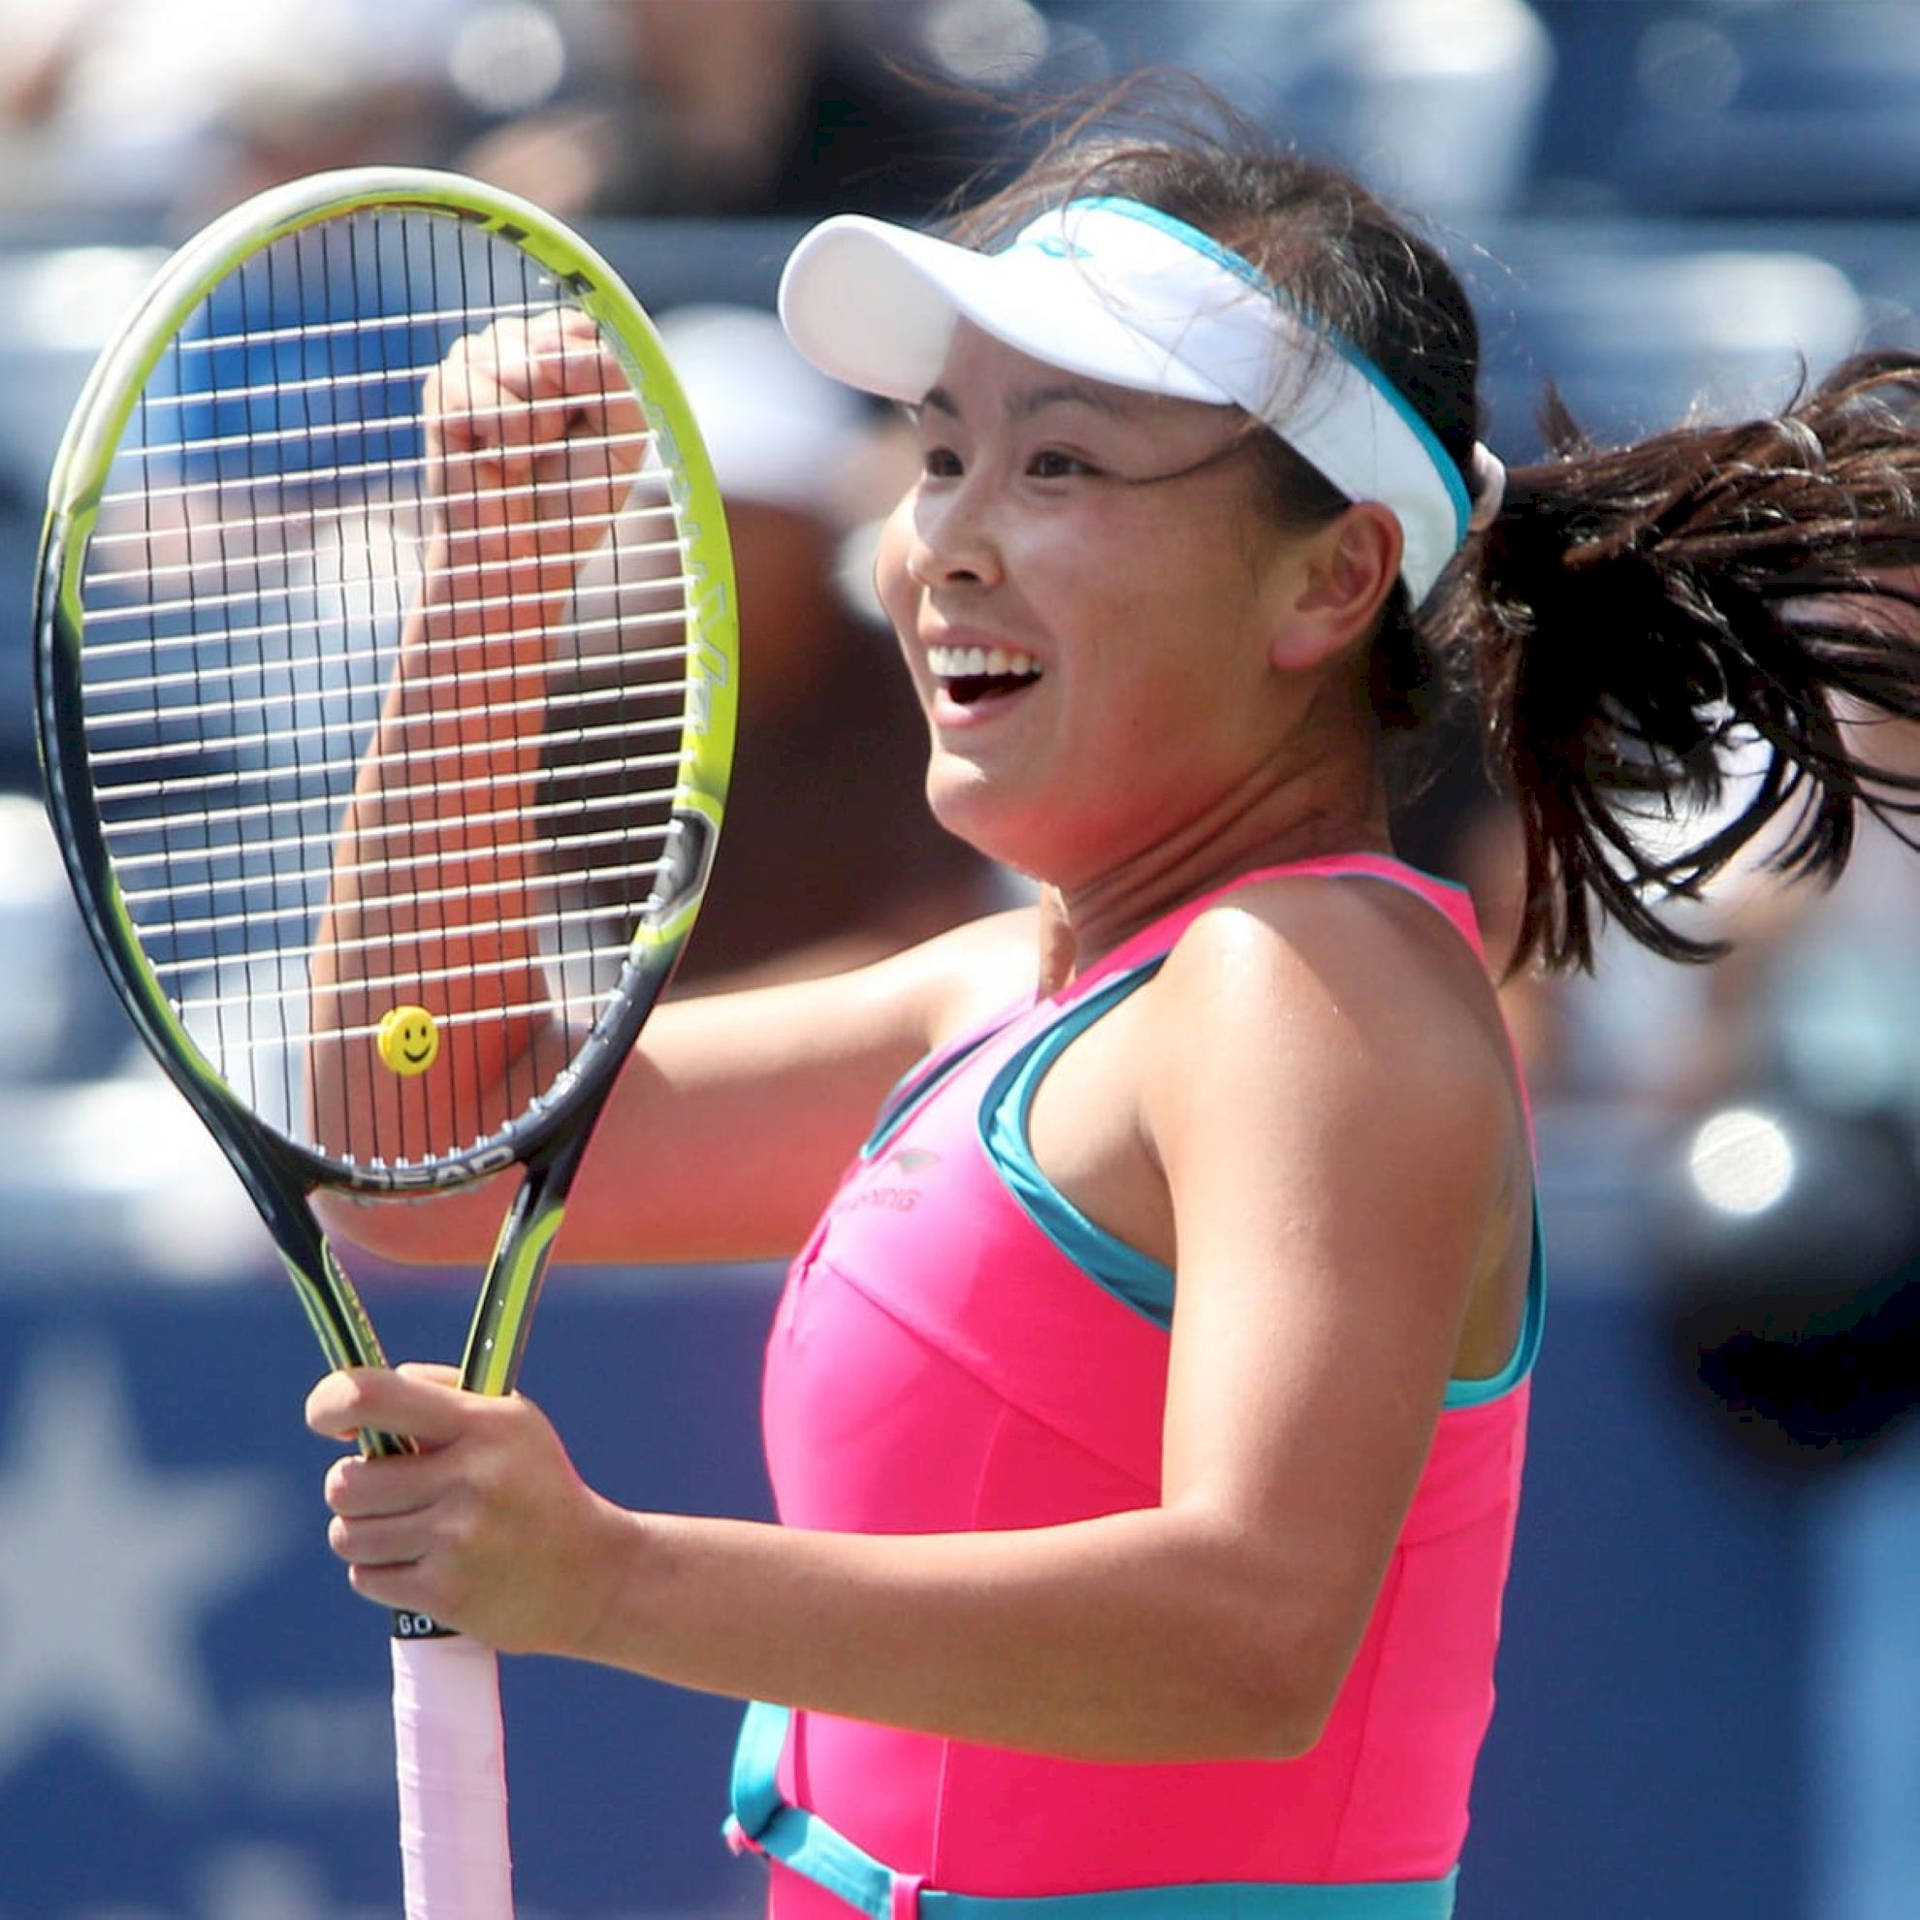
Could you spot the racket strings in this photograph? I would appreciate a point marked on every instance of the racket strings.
(303, 436)
(283, 556)
(192, 1000)
(253, 517)
(138, 830)
(466, 317)
(175, 788)
(331, 385)
(148, 685)
(130, 864)
(183, 493)
(191, 604)
(256, 1025)
(251, 916)
(319, 631)
(338, 790)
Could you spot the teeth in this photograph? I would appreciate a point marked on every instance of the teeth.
(972, 663)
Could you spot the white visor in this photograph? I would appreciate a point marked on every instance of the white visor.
(1120, 292)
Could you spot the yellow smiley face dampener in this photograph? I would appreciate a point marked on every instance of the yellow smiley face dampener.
(409, 1039)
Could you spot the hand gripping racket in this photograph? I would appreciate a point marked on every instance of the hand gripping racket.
(385, 672)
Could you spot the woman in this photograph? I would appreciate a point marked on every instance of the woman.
(1092, 1579)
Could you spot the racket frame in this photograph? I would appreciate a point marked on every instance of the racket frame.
(453, 1825)
(548, 1138)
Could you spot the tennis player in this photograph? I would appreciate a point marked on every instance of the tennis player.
(1146, 1411)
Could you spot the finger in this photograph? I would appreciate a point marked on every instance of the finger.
(465, 405)
(521, 362)
(388, 1565)
(511, 384)
(357, 1487)
(404, 1589)
(518, 393)
(380, 1400)
(599, 397)
(330, 1405)
(430, 1370)
(385, 1540)
(574, 369)
(564, 356)
(488, 420)
(479, 436)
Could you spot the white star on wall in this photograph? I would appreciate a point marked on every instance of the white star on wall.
(106, 1565)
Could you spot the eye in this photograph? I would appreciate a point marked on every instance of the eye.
(1053, 463)
(940, 463)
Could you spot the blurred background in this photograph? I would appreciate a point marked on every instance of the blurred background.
(1711, 1680)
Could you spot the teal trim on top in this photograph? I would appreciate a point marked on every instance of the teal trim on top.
(1362, 363)
(1526, 1349)
(914, 1087)
(809, 1846)
(1134, 1278)
(1199, 240)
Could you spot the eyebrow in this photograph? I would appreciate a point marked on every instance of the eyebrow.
(1032, 400)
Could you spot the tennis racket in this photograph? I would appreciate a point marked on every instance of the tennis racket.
(385, 674)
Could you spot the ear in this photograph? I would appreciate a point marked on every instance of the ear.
(1341, 579)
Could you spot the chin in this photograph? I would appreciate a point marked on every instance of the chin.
(972, 808)
(1015, 831)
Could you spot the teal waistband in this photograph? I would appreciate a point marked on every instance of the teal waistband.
(762, 1822)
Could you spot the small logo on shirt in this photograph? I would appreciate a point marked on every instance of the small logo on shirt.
(896, 1194)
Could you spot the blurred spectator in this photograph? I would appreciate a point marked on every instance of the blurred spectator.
(1487, 855)
(1436, 101)
(177, 108)
(801, 106)
(1796, 107)
(830, 856)
(1433, 102)
(57, 1019)
(1842, 983)
(171, 109)
(782, 106)
(1732, 107)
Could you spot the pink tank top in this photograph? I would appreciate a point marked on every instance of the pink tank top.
(938, 1364)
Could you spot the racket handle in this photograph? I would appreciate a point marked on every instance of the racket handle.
(451, 1763)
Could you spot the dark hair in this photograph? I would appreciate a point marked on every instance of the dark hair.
(1632, 614)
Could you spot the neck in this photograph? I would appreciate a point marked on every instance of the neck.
(1307, 818)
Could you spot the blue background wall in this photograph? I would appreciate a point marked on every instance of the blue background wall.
(1652, 1754)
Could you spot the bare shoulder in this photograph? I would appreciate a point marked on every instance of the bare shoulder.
(1335, 990)
(852, 1031)
(963, 977)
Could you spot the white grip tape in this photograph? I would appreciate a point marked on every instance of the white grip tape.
(453, 1781)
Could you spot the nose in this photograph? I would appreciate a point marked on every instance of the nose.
(951, 540)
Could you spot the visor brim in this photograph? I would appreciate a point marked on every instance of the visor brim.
(876, 305)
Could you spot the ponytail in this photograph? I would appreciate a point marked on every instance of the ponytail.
(1635, 615)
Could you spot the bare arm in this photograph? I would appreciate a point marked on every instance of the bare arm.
(434, 883)
(1335, 1163)
(728, 1127)
(724, 1134)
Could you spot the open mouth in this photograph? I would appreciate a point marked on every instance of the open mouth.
(969, 674)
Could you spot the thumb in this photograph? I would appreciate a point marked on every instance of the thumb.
(414, 1402)
(430, 1371)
